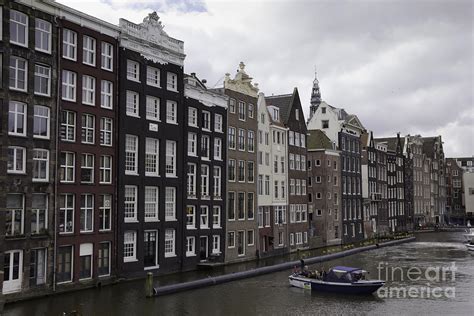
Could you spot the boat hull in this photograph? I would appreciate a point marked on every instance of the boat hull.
(470, 247)
(361, 287)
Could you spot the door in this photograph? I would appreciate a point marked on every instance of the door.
(203, 251)
(13, 266)
(150, 258)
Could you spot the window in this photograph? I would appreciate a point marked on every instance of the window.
(231, 138)
(69, 86)
(87, 168)
(105, 213)
(14, 216)
(240, 243)
(107, 58)
(18, 28)
(231, 170)
(241, 139)
(152, 108)
(38, 267)
(232, 105)
(191, 180)
(152, 157)
(106, 131)
(129, 246)
(170, 204)
(106, 94)
(42, 80)
(133, 104)
(88, 129)
(251, 110)
(170, 158)
(204, 222)
(206, 120)
(18, 73)
(217, 148)
(69, 44)
(250, 171)
(250, 237)
(65, 262)
(231, 239)
(17, 118)
(216, 217)
(39, 213)
(190, 217)
(152, 76)
(131, 154)
(170, 243)
(87, 213)
(218, 123)
(171, 112)
(151, 204)
(172, 81)
(216, 244)
(68, 126)
(105, 169)
(190, 246)
(205, 147)
(40, 165)
(241, 171)
(88, 90)
(66, 213)
(133, 70)
(250, 205)
(217, 183)
(88, 50)
(192, 116)
(267, 185)
(297, 114)
(205, 181)
(231, 206)
(241, 205)
(130, 204)
(241, 111)
(16, 160)
(103, 263)
(250, 141)
(41, 122)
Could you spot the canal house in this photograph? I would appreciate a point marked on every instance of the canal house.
(151, 149)
(205, 125)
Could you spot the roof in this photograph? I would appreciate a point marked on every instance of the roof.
(345, 269)
(284, 102)
(317, 139)
(428, 146)
(391, 142)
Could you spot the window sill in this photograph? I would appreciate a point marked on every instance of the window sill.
(151, 268)
(170, 256)
(190, 255)
(130, 221)
(129, 260)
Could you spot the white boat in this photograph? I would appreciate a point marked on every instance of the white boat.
(470, 239)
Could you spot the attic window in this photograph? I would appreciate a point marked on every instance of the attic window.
(323, 110)
(297, 114)
(325, 124)
(276, 115)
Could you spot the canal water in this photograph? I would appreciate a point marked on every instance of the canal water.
(425, 290)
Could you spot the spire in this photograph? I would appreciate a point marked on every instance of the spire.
(315, 96)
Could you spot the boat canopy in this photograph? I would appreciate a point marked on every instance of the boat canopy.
(342, 269)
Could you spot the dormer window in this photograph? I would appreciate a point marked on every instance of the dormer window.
(276, 115)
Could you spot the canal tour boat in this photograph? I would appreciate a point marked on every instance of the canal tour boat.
(340, 279)
(470, 239)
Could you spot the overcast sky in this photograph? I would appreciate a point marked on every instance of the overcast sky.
(400, 66)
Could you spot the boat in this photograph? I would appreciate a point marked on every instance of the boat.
(470, 239)
(339, 279)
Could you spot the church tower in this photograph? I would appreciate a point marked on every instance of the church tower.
(315, 96)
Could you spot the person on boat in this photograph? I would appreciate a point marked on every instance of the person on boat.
(305, 272)
(301, 265)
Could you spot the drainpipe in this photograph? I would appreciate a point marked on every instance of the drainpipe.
(58, 102)
(116, 140)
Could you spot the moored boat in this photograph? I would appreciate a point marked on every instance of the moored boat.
(339, 279)
(470, 239)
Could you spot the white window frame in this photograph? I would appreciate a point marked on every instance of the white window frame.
(192, 116)
(17, 169)
(41, 113)
(152, 157)
(106, 131)
(69, 84)
(88, 90)
(39, 160)
(87, 128)
(107, 56)
(152, 108)
(192, 144)
(171, 81)
(132, 103)
(171, 112)
(16, 71)
(87, 163)
(89, 50)
(42, 36)
(151, 204)
(130, 240)
(216, 244)
(190, 246)
(190, 217)
(19, 111)
(170, 204)
(153, 76)
(218, 123)
(131, 153)
(130, 203)
(133, 70)
(67, 126)
(42, 73)
(105, 169)
(69, 44)
(106, 94)
(170, 243)
(170, 165)
(216, 216)
(68, 197)
(204, 217)
(88, 211)
(191, 180)
(16, 18)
